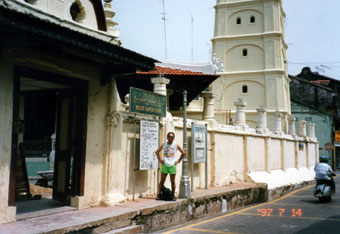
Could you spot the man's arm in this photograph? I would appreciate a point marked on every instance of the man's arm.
(182, 154)
(157, 154)
(331, 172)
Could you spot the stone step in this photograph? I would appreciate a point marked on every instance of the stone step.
(126, 230)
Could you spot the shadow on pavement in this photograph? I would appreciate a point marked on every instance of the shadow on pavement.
(330, 225)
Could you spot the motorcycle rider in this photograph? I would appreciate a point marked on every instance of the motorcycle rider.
(324, 173)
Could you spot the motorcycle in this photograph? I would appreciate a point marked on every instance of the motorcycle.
(323, 191)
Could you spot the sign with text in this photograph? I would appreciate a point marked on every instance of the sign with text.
(198, 143)
(337, 136)
(146, 102)
(149, 138)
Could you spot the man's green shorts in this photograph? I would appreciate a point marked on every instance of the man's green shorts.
(168, 170)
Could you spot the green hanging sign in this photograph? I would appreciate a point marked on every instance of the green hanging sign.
(145, 102)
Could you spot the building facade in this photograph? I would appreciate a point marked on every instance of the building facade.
(249, 42)
(315, 98)
(58, 60)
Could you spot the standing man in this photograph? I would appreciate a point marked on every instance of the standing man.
(169, 162)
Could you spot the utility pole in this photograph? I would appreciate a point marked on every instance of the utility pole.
(184, 186)
(164, 19)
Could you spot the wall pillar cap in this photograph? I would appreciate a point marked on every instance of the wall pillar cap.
(160, 80)
(277, 114)
(240, 102)
(208, 94)
(261, 109)
(291, 118)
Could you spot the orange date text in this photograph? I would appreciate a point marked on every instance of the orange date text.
(280, 212)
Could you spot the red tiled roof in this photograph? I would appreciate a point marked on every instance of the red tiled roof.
(173, 71)
(322, 82)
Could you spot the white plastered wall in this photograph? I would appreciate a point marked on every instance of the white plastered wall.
(95, 142)
(274, 153)
(61, 8)
(256, 154)
(228, 159)
(289, 161)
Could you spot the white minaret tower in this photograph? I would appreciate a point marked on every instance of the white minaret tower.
(249, 40)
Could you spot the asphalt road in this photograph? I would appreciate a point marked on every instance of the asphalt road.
(297, 212)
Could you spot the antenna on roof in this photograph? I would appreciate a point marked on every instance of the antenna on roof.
(164, 19)
(192, 39)
(322, 68)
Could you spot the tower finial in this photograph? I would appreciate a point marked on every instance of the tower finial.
(110, 24)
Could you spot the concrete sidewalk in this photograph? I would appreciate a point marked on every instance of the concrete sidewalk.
(143, 214)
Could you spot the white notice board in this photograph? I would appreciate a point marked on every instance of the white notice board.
(149, 138)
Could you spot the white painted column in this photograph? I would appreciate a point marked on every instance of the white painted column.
(159, 85)
(208, 105)
(262, 120)
(240, 119)
(277, 122)
(291, 125)
(302, 130)
(160, 88)
(311, 130)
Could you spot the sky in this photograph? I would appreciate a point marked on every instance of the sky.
(311, 32)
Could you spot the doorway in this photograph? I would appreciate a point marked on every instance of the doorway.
(48, 141)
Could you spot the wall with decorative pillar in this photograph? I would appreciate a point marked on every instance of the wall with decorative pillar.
(289, 161)
(234, 154)
(97, 145)
(257, 148)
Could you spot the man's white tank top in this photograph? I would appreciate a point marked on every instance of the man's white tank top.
(169, 153)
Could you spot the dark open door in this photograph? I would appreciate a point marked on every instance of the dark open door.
(11, 195)
(69, 167)
(62, 166)
(71, 121)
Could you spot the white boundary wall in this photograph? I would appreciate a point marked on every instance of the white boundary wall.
(234, 155)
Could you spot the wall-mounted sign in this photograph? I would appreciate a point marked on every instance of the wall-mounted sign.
(149, 138)
(146, 102)
(328, 146)
(198, 143)
(337, 136)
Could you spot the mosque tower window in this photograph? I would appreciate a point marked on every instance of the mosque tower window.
(244, 52)
(238, 20)
(252, 19)
(244, 89)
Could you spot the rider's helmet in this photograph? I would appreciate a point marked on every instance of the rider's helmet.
(323, 158)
